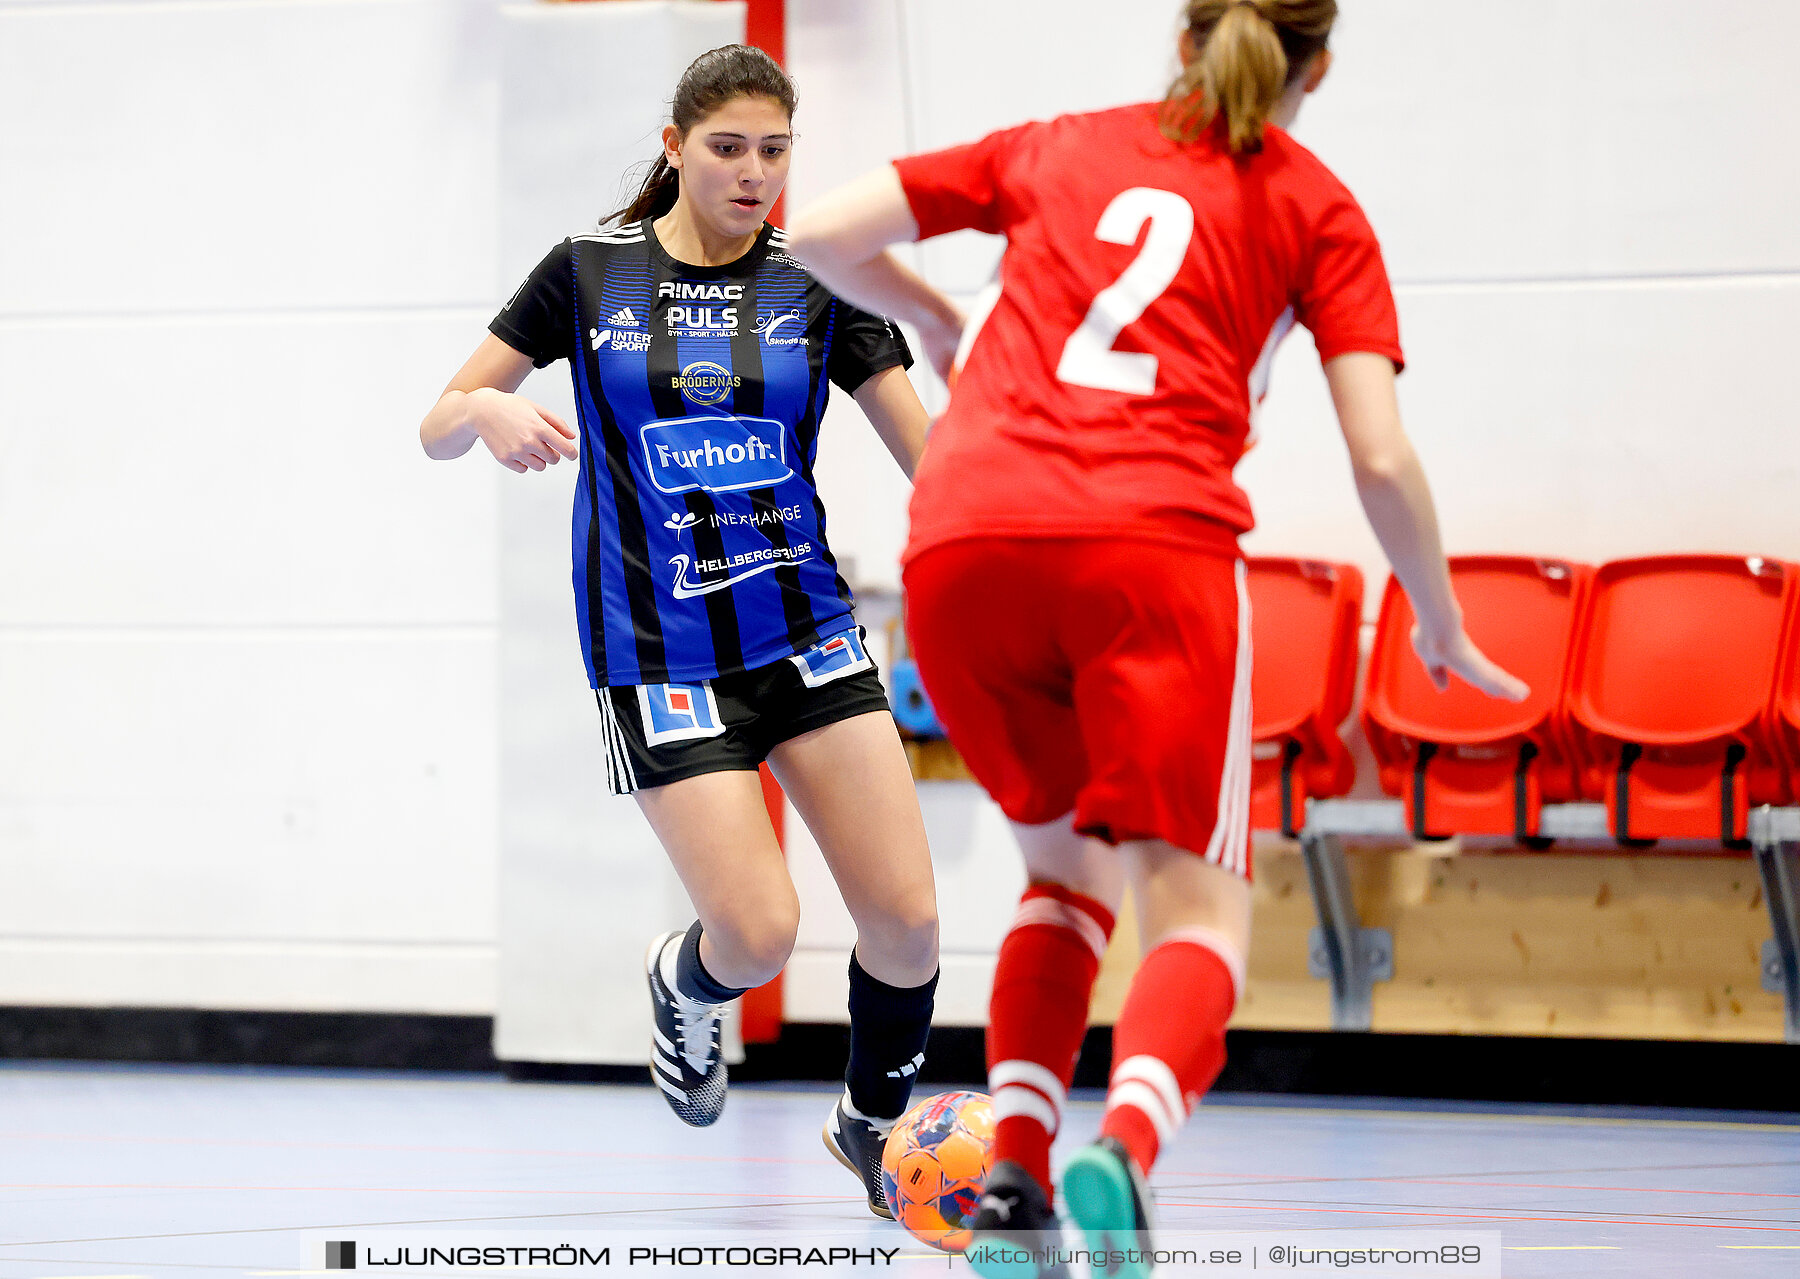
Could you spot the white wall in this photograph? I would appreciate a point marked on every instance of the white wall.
(1588, 214)
(247, 633)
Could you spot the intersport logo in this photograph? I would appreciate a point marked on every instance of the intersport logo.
(715, 454)
(618, 339)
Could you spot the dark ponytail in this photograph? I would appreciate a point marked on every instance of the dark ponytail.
(655, 198)
(713, 79)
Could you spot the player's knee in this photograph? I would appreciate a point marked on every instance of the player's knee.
(922, 931)
(905, 938)
(761, 941)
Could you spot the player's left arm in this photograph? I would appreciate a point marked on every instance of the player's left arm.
(843, 239)
(893, 409)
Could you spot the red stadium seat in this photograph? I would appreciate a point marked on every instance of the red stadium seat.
(1466, 763)
(1674, 674)
(1784, 708)
(1306, 617)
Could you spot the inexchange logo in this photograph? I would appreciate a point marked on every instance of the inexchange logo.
(732, 519)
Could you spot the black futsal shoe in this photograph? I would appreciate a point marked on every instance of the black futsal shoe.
(857, 1144)
(685, 1061)
(1110, 1202)
(1015, 1233)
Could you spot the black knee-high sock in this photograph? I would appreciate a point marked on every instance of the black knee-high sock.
(691, 977)
(888, 1027)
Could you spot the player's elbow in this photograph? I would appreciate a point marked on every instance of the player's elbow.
(1377, 469)
(435, 433)
(809, 240)
(1387, 463)
(430, 440)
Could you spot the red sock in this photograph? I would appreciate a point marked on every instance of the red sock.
(1169, 1044)
(1037, 1016)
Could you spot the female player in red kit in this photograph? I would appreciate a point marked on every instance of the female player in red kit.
(1074, 591)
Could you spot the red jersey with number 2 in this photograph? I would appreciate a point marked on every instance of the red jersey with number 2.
(1144, 288)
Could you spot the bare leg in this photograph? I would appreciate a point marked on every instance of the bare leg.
(716, 832)
(852, 787)
(1055, 854)
(850, 782)
(1172, 889)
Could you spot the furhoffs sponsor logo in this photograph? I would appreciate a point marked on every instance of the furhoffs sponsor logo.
(715, 454)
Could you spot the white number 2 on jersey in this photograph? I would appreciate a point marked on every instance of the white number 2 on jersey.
(1088, 358)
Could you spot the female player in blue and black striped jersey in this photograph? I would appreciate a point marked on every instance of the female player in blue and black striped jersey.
(716, 627)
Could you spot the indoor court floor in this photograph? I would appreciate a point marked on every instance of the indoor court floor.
(152, 1171)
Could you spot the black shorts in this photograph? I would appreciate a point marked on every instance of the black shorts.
(662, 733)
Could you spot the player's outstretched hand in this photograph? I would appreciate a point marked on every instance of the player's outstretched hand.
(521, 435)
(1456, 654)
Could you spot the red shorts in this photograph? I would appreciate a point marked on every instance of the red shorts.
(1110, 677)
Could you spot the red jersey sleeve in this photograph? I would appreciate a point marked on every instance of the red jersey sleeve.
(1346, 300)
(963, 187)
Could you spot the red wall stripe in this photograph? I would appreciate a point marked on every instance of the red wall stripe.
(762, 1006)
(765, 26)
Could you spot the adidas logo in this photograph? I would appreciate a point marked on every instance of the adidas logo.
(623, 317)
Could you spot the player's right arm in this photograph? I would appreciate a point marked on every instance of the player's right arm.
(480, 404)
(844, 238)
(1391, 483)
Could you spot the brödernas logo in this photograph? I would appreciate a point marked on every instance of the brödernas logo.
(706, 383)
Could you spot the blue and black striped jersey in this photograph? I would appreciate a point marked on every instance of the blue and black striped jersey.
(699, 536)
